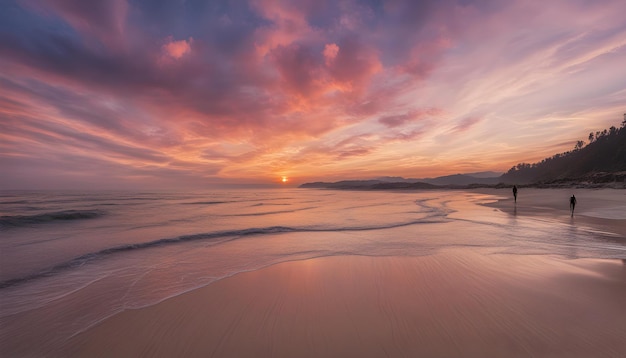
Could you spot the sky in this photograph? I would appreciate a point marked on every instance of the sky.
(198, 94)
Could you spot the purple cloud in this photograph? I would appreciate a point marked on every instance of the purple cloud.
(242, 90)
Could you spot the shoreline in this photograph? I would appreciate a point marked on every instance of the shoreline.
(604, 209)
(455, 302)
(616, 182)
(467, 296)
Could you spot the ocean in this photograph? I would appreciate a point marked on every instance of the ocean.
(89, 255)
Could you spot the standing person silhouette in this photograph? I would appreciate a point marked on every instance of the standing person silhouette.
(515, 193)
(572, 204)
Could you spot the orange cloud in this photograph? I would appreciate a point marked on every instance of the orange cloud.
(330, 52)
(310, 87)
(288, 25)
(177, 49)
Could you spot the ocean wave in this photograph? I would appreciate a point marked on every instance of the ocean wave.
(97, 255)
(15, 202)
(89, 257)
(271, 204)
(273, 212)
(65, 215)
(206, 202)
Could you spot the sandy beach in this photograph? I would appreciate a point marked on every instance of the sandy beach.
(283, 178)
(398, 274)
(455, 303)
(604, 209)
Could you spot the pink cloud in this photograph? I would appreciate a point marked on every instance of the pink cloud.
(414, 115)
(282, 84)
(176, 49)
(288, 25)
(299, 69)
(330, 52)
(355, 64)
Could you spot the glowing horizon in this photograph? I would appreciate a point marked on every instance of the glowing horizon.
(150, 94)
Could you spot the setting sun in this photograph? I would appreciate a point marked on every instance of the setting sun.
(284, 179)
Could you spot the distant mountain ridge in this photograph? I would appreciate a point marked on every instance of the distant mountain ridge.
(488, 177)
(368, 185)
(463, 179)
(411, 183)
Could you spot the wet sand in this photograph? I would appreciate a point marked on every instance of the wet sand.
(604, 209)
(457, 303)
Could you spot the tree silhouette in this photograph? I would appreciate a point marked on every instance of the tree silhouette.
(605, 152)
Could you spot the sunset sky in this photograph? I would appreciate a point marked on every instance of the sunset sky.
(159, 94)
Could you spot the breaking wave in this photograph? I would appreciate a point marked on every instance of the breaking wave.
(89, 257)
(65, 215)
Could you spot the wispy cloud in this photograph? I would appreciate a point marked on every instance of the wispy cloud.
(223, 91)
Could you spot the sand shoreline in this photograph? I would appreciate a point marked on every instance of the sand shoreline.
(453, 303)
(604, 209)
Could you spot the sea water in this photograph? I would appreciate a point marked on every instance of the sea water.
(94, 254)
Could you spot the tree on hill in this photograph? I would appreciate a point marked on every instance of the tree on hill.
(605, 152)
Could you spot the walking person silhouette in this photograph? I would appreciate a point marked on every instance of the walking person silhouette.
(572, 204)
(515, 193)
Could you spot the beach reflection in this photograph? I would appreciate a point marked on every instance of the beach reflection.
(148, 249)
(457, 302)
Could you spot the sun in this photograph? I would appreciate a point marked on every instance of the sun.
(284, 179)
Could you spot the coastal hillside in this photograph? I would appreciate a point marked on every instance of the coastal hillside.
(601, 159)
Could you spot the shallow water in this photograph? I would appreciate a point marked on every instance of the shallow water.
(109, 251)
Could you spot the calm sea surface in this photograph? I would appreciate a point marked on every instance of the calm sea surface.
(103, 252)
